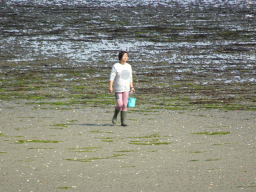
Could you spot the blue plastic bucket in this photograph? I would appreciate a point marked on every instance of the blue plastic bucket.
(131, 102)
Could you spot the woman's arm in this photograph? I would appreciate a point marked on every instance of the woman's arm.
(131, 83)
(131, 87)
(111, 80)
(110, 86)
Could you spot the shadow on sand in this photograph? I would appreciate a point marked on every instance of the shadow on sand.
(100, 125)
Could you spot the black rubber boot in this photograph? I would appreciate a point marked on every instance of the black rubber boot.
(114, 119)
(123, 118)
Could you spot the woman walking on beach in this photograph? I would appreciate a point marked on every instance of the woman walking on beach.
(121, 80)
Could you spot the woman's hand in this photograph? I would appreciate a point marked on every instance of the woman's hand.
(132, 89)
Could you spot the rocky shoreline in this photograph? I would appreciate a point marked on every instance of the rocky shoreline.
(181, 59)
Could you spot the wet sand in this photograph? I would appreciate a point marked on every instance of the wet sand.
(46, 148)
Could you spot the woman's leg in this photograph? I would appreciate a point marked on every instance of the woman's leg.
(124, 108)
(119, 100)
(118, 106)
(125, 100)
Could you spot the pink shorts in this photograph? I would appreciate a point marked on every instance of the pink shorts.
(122, 100)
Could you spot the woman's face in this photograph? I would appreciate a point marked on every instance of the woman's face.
(125, 57)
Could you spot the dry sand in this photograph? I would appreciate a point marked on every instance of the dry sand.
(156, 152)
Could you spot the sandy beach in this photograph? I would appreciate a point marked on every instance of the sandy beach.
(78, 149)
(194, 124)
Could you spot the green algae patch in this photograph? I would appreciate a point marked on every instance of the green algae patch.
(114, 156)
(151, 142)
(107, 139)
(153, 139)
(221, 144)
(36, 141)
(212, 133)
(151, 136)
(84, 160)
(59, 103)
(97, 131)
(175, 108)
(64, 187)
(212, 160)
(59, 125)
(140, 110)
(198, 151)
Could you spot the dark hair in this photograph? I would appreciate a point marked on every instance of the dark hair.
(121, 54)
